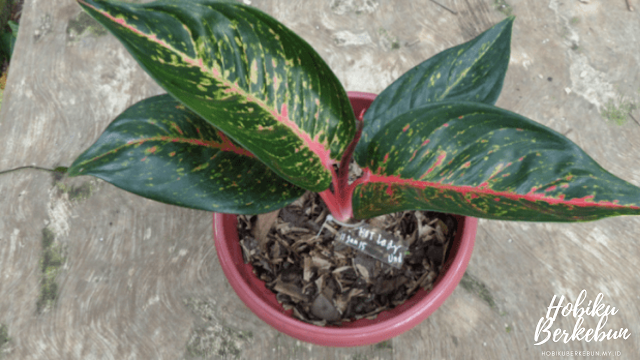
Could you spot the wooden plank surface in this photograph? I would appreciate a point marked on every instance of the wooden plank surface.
(140, 280)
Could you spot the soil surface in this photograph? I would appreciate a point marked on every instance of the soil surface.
(325, 281)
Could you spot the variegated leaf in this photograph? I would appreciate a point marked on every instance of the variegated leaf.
(473, 71)
(478, 160)
(244, 72)
(160, 150)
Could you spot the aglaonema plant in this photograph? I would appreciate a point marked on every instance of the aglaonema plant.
(254, 117)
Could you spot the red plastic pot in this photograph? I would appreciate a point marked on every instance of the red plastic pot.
(253, 292)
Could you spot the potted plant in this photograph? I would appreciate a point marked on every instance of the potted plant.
(254, 118)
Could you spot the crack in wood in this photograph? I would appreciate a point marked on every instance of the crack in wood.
(59, 169)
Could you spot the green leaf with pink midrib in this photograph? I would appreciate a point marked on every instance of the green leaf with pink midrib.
(482, 161)
(160, 150)
(473, 71)
(274, 95)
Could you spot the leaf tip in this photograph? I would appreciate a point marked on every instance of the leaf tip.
(61, 169)
(71, 171)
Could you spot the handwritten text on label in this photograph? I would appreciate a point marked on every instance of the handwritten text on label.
(376, 243)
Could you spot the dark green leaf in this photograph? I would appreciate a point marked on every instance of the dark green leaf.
(160, 150)
(14, 27)
(8, 40)
(244, 72)
(473, 71)
(478, 160)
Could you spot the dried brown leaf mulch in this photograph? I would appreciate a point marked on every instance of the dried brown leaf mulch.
(325, 282)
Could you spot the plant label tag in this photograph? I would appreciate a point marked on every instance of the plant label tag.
(376, 243)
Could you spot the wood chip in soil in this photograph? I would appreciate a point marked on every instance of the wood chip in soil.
(325, 282)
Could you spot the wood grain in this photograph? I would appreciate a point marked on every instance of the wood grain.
(141, 279)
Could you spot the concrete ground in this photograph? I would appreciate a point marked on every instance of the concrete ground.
(88, 271)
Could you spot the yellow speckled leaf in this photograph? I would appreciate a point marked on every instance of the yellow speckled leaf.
(160, 150)
(245, 73)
